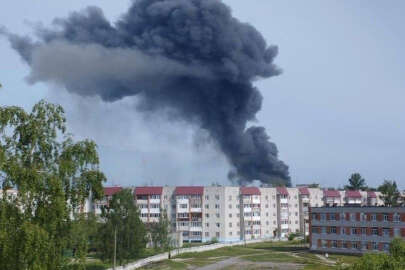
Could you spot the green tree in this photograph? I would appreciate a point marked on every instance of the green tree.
(390, 193)
(121, 219)
(160, 232)
(356, 182)
(395, 260)
(53, 176)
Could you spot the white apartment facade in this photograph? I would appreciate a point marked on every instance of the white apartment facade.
(232, 213)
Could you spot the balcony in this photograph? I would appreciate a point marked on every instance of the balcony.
(196, 210)
(154, 210)
(283, 200)
(256, 201)
(155, 201)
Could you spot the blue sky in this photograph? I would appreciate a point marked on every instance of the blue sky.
(338, 107)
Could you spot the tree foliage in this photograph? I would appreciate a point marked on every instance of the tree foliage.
(356, 182)
(160, 232)
(390, 193)
(53, 175)
(395, 260)
(121, 217)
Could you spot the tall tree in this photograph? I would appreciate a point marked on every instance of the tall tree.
(53, 176)
(390, 193)
(356, 182)
(160, 232)
(123, 225)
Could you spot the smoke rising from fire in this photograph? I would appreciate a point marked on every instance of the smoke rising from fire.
(189, 56)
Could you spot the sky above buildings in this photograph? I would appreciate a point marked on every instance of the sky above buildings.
(338, 107)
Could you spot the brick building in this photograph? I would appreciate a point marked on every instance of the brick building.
(355, 229)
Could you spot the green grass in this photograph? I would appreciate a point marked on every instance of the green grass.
(274, 257)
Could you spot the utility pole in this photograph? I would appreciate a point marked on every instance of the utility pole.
(115, 248)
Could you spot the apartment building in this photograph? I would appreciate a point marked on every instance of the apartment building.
(250, 212)
(355, 229)
(149, 202)
(189, 212)
(232, 213)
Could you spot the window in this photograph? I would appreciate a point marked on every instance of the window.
(353, 216)
(218, 224)
(323, 230)
(183, 206)
(363, 230)
(237, 215)
(182, 215)
(237, 224)
(274, 222)
(237, 206)
(207, 197)
(217, 234)
(207, 224)
(323, 216)
(332, 229)
(230, 215)
(373, 217)
(207, 215)
(267, 214)
(230, 206)
(397, 232)
(155, 197)
(230, 197)
(165, 197)
(296, 222)
(196, 233)
(274, 205)
(267, 223)
(216, 206)
(334, 244)
(296, 214)
(385, 217)
(230, 233)
(267, 198)
(386, 231)
(207, 206)
(207, 234)
(217, 197)
(267, 206)
(396, 217)
(353, 231)
(217, 214)
(230, 224)
(374, 231)
(332, 216)
(375, 245)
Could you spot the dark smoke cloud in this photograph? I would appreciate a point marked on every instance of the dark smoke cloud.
(190, 56)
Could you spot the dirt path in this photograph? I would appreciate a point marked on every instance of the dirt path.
(239, 264)
(221, 264)
(325, 259)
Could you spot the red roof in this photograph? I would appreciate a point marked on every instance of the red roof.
(371, 194)
(303, 191)
(189, 191)
(109, 191)
(250, 191)
(331, 193)
(282, 191)
(352, 194)
(148, 190)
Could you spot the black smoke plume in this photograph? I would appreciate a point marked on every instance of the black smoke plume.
(188, 56)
